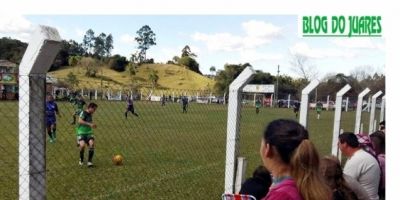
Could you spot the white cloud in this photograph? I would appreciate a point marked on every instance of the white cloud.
(254, 56)
(128, 39)
(358, 43)
(304, 49)
(258, 33)
(15, 26)
(255, 28)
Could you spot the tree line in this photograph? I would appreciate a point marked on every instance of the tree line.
(95, 50)
(359, 79)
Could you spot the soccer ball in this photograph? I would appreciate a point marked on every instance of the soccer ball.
(117, 159)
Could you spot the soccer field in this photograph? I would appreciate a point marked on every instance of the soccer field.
(167, 154)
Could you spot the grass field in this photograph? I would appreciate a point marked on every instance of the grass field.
(167, 154)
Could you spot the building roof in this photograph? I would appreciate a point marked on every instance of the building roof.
(51, 80)
(6, 63)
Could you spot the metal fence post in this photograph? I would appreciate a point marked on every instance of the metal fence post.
(233, 122)
(42, 49)
(338, 116)
(304, 102)
(359, 110)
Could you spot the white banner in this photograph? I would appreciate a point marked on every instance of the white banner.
(259, 88)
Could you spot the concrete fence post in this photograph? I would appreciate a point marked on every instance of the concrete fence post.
(338, 116)
(359, 110)
(42, 49)
(304, 102)
(234, 105)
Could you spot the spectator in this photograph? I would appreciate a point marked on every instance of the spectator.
(258, 185)
(360, 165)
(378, 142)
(382, 126)
(333, 173)
(293, 162)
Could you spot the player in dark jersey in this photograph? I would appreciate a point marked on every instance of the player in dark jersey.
(185, 102)
(51, 111)
(84, 133)
(296, 108)
(129, 107)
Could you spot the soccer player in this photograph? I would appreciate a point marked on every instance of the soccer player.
(79, 103)
(319, 109)
(163, 100)
(185, 102)
(258, 105)
(296, 108)
(84, 133)
(129, 107)
(51, 111)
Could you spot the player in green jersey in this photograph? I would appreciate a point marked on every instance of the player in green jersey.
(84, 133)
(258, 105)
(319, 107)
(79, 103)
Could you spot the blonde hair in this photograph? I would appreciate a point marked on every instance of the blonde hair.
(305, 170)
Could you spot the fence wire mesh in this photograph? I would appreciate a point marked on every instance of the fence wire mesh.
(167, 152)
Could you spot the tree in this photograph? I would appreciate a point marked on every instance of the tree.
(100, 45)
(302, 66)
(176, 59)
(362, 72)
(73, 60)
(153, 77)
(186, 52)
(191, 63)
(212, 70)
(118, 63)
(88, 42)
(225, 77)
(12, 50)
(90, 65)
(109, 45)
(146, 38)
(72, 79)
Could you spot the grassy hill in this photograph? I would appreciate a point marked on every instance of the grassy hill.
(171, 77)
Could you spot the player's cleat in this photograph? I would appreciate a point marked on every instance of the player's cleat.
(51, 140)
(80, 163)
(90, 164)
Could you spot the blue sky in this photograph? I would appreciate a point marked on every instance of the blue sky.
(265, 41)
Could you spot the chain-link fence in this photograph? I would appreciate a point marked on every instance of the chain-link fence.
(173, 142)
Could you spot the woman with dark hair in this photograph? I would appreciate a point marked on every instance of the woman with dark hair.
(378, 142)
(293, 162)
(259, 184)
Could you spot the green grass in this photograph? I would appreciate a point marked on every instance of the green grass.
(170, 77)
(167, 154)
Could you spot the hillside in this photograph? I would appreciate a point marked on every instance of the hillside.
(171, 77)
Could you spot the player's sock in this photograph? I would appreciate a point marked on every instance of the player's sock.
(50, 136)
(91, 153)
(126, 115)
(82, 154)
(54, 134)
